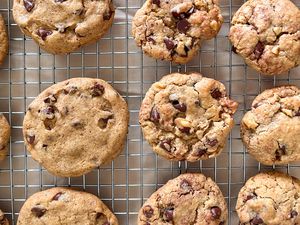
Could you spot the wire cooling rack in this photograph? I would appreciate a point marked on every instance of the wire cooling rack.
(128, 181)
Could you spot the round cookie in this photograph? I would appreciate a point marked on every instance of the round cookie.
(271, 129)
(3, 220)
(61, 26)
(75, 126)
(266, 33)
(3, 40)
(4, 136)
(173, 30)
(65, 206)
(269, 198)
(188, 199)
(187, 117)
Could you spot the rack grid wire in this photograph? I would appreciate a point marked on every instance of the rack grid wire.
(130, 179)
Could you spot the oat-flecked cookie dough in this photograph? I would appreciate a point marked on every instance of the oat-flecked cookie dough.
(188, 199)
(187, 117)
(75, 126)
(3, 220)
(3, 40)
(269, 199)
(173, 29)
(65, 206)
(271, 129)
(266, 33)
(4, 136)
(62, 26)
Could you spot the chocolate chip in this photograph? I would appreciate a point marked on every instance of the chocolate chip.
(154, 115)
(201, 152)
(169, 44)
(38, 211)
(185, 185)
(222, 223)
(249, 197)
(294, 214)
(178, 15)
(179, 106)
(43, 33)
(156, 2)
(70, 90)
(233, 49)
(60, 1)
(166, 145)
(280, 151)
(297, 113)
(212, 142)
(183, 25)
(256, 220)
(216, 93)
(151, 40)
(97, 90)
(29, 5)
(255, 105)
(107, 15)
(259, 49)
(50, 99)
(57, 196)
(148, 211)
(185, 130)
(197, 103)
(215, 212)
(49, 110)
(106, 223)
(30, 139)
(44, 146)
(168, 214)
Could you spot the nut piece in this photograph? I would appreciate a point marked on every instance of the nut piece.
(180, 122)
(249, 121)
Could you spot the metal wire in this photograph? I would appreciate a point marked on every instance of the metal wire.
(128, 181)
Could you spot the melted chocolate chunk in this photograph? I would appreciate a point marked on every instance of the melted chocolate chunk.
(216, 212)
(57, 196)
(294, 214)
(185, 130)
(151, 40)
(50, 99)
(280, 151)
(30, 139)
(148, 211)
(179, 106)
(259, 49)
(201, 152)
(183, 25)
(169, 44)
(168, 214)
(60, 1)
(38, 211)
(249, 197)
(166, 145)
(256, 221)
(29, 5)
(216, 93)
(183, 15)
(297, 113)
(97, 90)
(185, 185)
(212, 143)
(43, 33)
(106, 223)
(108, 15)
(156, 2)
(233, 49)
(154, 115)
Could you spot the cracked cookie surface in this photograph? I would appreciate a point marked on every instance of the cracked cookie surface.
(62, 26)
(266, 33)
(187, 117)
(173, 30)
(3, 220)
(75, 126)
(270, 198)
(188, 199)
(63, 206)
(3, 40)
(4, 136)
(271, 129)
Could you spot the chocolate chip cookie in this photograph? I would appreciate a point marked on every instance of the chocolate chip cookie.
(75, 126)
(3, 40)
(266, 33)
(187, 117)
(188, 199)
(4, 136)
(173, 30)
(271, 129)
(269, 198)
(65, 206)
(62, 26)
(3, 220)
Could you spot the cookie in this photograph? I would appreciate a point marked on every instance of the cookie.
(75, 126)
(61, 26)
(266, 33)
(187, 117)
(271, 129)
(4, 136)
(3, 220)
(188, 199)
(3, 40)
(65, 206)
(173, 30)
(270, 198)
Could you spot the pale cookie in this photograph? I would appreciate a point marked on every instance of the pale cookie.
(62, 206)
(269, 199)
(266, 33)
(271, 129)
(173, 30)
(75, 126)
(4, 136)
(187, 117)
(62, 26)
(3, 40)
(188, 199)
